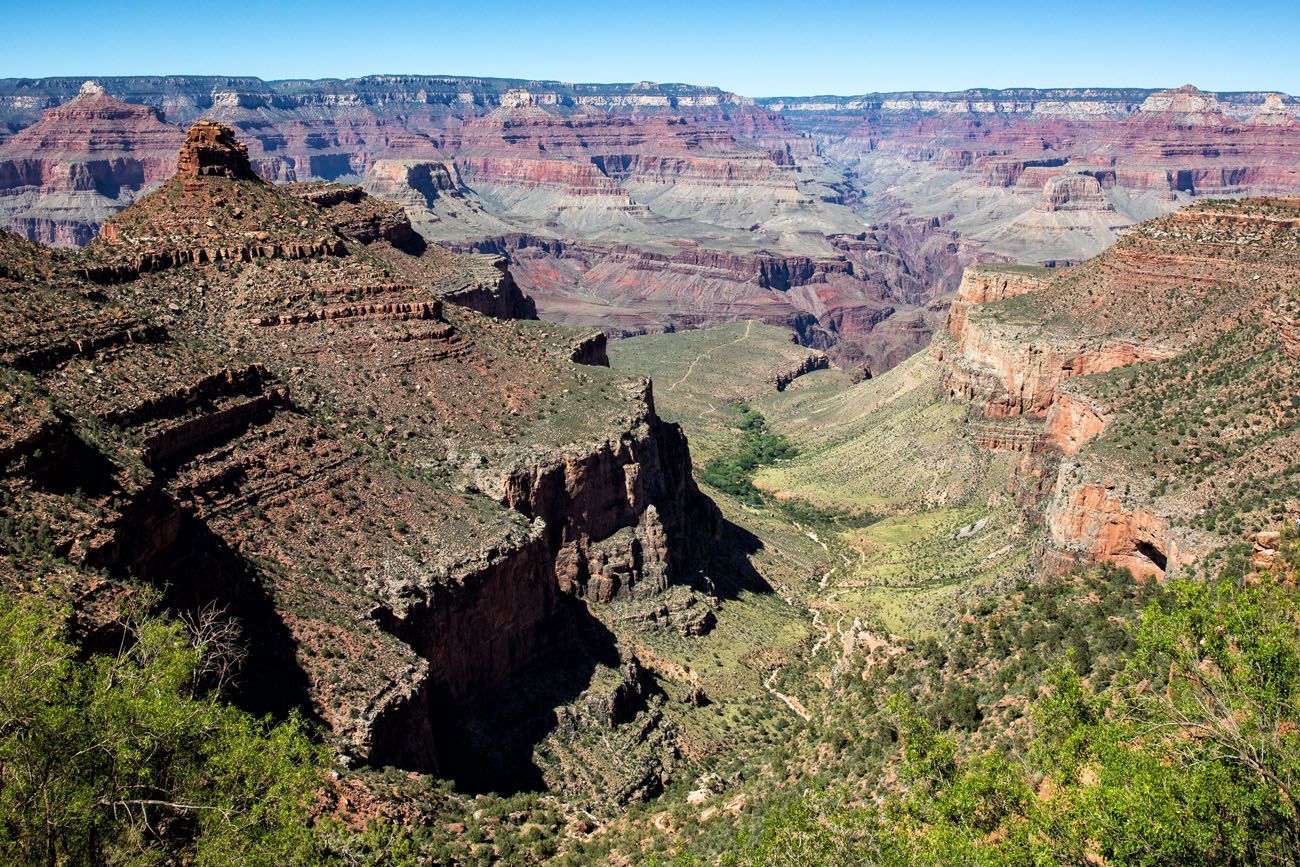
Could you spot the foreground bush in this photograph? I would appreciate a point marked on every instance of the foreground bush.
(132, 757)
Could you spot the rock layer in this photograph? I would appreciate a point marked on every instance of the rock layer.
(622, 184)
(1204, 291)
(390, 496)
(81, 162)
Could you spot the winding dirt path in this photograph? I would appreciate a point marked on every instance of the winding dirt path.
(790, 701)
(749, 324)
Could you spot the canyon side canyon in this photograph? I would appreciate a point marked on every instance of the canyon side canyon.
(644, 207)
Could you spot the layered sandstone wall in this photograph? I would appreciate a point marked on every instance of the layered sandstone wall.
(623, 517)
(1015, 376)
(1095, 523)
(985, 285)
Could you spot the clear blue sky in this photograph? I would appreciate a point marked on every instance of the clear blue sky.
(757, 49)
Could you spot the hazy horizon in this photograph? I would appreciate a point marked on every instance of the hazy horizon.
(757, 50)
(613, 83)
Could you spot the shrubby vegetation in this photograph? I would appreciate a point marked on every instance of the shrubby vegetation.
(758, 447)
(1186, 753)
(132, 757)
(810, 514)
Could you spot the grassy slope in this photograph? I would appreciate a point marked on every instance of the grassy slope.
(946, 534)
(946, 531)
(891, 445)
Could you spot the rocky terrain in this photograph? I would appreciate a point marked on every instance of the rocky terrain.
(1074, 442)
(1053, 176)
(468, 543)
(277, 400)
(647, 207)
(1198, 306)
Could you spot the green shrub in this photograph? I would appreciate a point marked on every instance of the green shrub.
(125, 757)
(758, 447)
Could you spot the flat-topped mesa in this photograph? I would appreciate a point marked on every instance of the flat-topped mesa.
(1073, 192)
(212, 150)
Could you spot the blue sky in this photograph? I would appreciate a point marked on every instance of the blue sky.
(757, 48)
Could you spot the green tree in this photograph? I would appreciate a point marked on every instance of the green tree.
(127, 758)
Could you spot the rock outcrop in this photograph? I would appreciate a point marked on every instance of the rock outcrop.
(1139, 459)
(1095, 517)
(405, 501)
(1073, 193)
(212, 150)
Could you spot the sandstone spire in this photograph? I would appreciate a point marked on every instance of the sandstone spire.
(211, 150)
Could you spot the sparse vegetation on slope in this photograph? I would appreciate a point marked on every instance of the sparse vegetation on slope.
(1188, 756)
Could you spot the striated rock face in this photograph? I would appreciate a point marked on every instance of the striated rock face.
(1073, 193)
(1005, 377)
(864, 303)
(991, 157)
(211, 150)
(990, 363)
(985, 285)
(414, 182)
(676, 206)
(1092, 522)
(475, 161)
(385, 227)
(1139, 459)
(630, 509)
(81, 162)
(404, 501)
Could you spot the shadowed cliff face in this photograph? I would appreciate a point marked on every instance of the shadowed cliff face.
(405, 501)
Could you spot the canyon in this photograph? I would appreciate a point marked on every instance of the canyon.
(395, 377)
(1053, 176)
(249, 398)
(645, 207)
